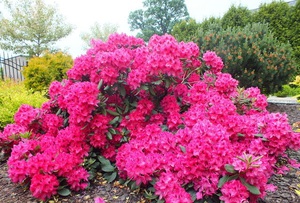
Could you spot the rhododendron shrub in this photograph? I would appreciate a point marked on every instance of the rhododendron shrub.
(162, 113)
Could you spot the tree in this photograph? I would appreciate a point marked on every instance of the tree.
(277, 15)
(185, 30)
(236, 16)
(31, 27)
(207, 22)
(294, 30)
(159, 17)
(98, 31)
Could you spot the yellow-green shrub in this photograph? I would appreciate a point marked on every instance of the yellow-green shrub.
(12, 95)
(41, 71)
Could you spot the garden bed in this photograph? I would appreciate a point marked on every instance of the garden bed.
(115, 193)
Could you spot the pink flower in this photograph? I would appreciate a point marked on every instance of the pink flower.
(214, 61)
(43, 186)
(98, 200)
(234, 192)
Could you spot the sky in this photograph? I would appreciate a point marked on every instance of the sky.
(83, 14)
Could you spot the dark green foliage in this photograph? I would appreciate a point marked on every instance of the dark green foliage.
(294, 29)
(236, 16)
(186, 30)
(41, 71)
(206, 24)
(159, 17)
(277, 15)
(252, 55)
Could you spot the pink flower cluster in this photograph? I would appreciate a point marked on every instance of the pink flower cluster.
(160, 113)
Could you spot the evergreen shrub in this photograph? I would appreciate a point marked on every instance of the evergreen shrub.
(41, 71)
(252, 55)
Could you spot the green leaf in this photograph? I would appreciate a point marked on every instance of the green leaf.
(182, 148)
(119, 110)
(108, 168)
(109, 135)
(113, 113)
(91, 161)
(95, 165)
(122, 90)
(240, 135)
(110, 177)
(149, 195)
(103, 160)
(251, 188)
(226, 178)
(230, 169)
(114, 121)
(158, 82)
(126, 109)
(25, 135)
(64, 192)
(222, 181)
(258, 135)
(112, 131)
(100, 84)
(133, 185)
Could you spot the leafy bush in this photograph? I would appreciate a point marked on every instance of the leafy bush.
(12, 96)
(288, 91)
(159, 116)
(41, 71)
(185, 30)
(236, 17)
(251, 55)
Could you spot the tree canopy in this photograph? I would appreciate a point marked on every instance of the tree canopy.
(277, 15)
(185, 30)
(31, 27)
(236, 17)
(157, 17)
(98, 31)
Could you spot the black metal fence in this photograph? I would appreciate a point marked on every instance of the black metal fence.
(11, 67)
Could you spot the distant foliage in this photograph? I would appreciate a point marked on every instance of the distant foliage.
(98, 31)
(236, 17)
(288, 91)
(206, 24)
(277, 15)
(157, 17)
(12, 95)
(252, 55)
(41, 71)
(294, 30)
(186, 30)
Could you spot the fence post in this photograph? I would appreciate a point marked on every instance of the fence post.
(1, 68)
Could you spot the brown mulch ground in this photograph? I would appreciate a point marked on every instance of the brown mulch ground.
(115, 193)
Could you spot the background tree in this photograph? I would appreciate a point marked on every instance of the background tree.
(236, 16)
(277, 15)
(158, 17)
(98, 31)
(31, 27)
(185, 30)
(294, 29)
(207, 22)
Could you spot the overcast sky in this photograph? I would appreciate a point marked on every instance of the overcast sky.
(84, 13)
